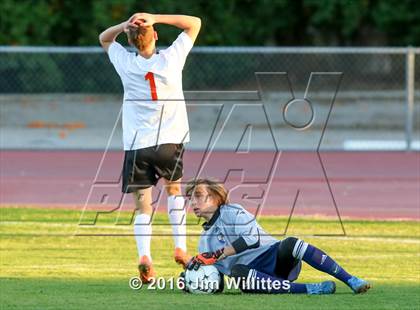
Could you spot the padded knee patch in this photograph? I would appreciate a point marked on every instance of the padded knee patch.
(287, 245)
(239, 271)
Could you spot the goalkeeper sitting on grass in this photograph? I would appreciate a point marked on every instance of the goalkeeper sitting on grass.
(237, 246)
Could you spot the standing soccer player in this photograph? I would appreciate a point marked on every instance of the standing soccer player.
(236, 244)
(155, 123)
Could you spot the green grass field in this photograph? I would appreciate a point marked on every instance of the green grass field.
(47, 264)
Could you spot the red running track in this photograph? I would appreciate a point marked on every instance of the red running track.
(372, 185)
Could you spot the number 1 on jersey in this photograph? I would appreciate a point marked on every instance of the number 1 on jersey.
(151, 78)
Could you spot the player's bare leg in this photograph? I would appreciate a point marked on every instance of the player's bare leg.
(143, 232)
(177, 217)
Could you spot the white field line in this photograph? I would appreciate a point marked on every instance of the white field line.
(168, 230)
(161, 228)
(124, 227)
(374, 145)
(370, 239)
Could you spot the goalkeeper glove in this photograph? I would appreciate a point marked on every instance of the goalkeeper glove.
(206, 258)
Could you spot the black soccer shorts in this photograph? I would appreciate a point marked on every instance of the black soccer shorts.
(144, 167)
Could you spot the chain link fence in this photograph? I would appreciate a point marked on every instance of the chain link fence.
(377, 100)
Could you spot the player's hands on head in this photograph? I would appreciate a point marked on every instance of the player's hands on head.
(139, 20)
(142, 20)
(206, 258)
(128, 23)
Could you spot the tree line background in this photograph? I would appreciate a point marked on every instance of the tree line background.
(224, 22)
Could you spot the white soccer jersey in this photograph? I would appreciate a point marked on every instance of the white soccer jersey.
(154, 110)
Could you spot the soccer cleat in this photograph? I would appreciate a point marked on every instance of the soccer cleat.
(181, 257)
(147, 273)
(358, 286)
(326, 287)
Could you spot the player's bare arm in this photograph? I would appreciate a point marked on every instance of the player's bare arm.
(229, 250)
(190, 24)
(110, 34)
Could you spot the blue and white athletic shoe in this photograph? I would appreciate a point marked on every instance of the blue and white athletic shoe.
(326, 287)
(358, 285)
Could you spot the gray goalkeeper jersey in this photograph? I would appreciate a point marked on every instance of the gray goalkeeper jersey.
(232, 225)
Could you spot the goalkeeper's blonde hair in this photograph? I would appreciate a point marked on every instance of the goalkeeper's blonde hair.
(214, 187)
